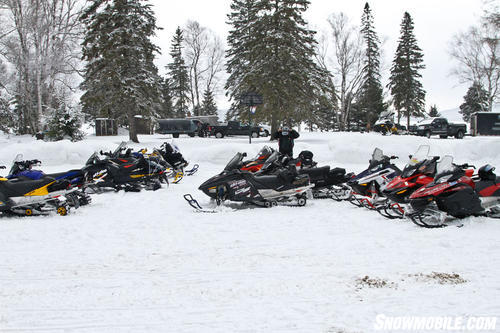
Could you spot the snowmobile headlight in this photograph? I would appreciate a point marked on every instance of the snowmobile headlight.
(212, 189)
(1, 203)
(403, 191)
(365, 184)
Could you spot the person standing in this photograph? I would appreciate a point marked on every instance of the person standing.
(286, 137)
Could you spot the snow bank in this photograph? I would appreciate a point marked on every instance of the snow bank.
(339, 149)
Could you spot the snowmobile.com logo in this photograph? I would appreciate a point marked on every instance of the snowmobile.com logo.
(416, 323)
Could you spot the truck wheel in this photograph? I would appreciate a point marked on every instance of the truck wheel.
(191, 135)
(459, 135)
(219, 135)
(428, 134)
(175, 135)
(266, 133)
(443, 136)
(255, 135)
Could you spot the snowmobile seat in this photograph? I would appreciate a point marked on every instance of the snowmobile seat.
(316, 173)
(337, 172)
(67, 174)
(269, 182)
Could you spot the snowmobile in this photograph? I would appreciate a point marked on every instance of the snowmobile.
(419, 171)
(173, 157)
(327, 182)
(23, 169)
(26, 197)
(366, 186)
(287, 187)
(455, 193)
(120, 170)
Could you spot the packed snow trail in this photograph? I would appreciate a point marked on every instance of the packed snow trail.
(146, 262)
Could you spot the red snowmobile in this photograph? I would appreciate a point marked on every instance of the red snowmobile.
(419, 171)
(455, 193)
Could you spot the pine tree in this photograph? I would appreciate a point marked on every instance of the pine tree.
(433, 111)
(371, 98)
(178, 77)
(166, 108)
(475, 100)
(65, 123)
(271, 50)
(7, 115)
(120, 79)
(241, 40)
(404, 82)
(208, 107)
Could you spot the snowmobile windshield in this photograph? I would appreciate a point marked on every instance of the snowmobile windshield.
(18, 158)
(377, 157)
(273, 158)
(16, 166)
(263, 153)
(234, 162)
(121, 146)
(93, 159)
(444, 169)
(416, 160)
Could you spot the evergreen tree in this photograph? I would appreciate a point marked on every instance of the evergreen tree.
(404, 82)
(208, 107)
(178, 77)
(65, 123)
(7, 115)
(166, 108)
(475, 100)
(120, 79)
(371, 97)
(241, 40)
(433, 111)
(271, 50)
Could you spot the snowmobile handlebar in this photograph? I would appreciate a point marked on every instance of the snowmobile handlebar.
(28, 163)
(393, 157)
(2, 167)
(466, 166)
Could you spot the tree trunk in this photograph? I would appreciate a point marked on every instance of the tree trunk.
(132, 130)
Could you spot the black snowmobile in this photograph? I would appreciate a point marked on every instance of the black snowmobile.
(286, 187)
(175, 162)
(119, 170)
(327, 182)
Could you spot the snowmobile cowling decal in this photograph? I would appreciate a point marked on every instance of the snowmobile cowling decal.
(40, 191)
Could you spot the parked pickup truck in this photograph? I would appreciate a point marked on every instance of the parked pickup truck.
(441, 127)
(234, 128)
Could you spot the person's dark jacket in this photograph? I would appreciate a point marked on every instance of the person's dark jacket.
(285, 142)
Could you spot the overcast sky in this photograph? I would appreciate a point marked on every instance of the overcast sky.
(435, 23)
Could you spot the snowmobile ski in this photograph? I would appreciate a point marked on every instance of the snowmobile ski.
(191, 171)
(195, 204)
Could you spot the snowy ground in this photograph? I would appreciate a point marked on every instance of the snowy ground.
(145, 262)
